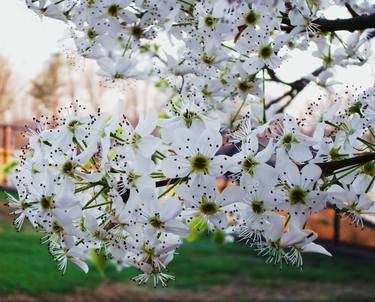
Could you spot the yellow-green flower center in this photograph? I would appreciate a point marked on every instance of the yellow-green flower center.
(46, 202)
(288, 139)
(200, 163)
(248, 165)
(210, 21)
(251, 18)
(156, 222)
(68, 168)
(189, 117)
(114, 10)
(258, 206)
(368, 169)
(297, 196)
(137, 31)
(209, 60)
(91, 34)
(208, 207)
(265, 51)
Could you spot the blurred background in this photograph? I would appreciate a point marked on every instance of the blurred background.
(39, 73)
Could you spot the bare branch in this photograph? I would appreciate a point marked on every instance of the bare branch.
(350, 24)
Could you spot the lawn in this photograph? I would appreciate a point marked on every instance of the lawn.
(26, 266)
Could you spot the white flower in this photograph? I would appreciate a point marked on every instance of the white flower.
(291, 140)
(207, 203)
(195, 156)
(261, 50)
(298, 193)
(155, 215)
(251, 163)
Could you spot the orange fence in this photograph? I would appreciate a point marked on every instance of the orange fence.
(11, 139)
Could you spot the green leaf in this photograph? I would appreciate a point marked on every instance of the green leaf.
(198, 226)
(9, 167)
(163, 115)
(218, 236)
(99, 259)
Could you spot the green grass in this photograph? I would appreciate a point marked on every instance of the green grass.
(26, 266)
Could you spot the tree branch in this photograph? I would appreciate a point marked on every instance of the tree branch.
(350, 24)
(296, 87)
(327, 167)
(332, 166)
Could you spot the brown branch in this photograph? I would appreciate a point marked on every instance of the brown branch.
(350, 24)
(351, 10)
(327, 167)
(332, 166)
(296, 87)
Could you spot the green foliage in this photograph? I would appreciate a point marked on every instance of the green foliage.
(198, 227)
(9, 167)
(99, 260)
(218, 236)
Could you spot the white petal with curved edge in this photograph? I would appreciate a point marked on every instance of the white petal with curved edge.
(300, 152)
(315, 248)
(175, 166)
(209, 142)
(148, 145)
(177, 227)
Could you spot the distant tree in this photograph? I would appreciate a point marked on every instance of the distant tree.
(46, 87)
(7, 92)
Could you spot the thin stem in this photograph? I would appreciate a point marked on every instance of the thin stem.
(87, 205)
(264, 98)
(237, 113)
(171, 187)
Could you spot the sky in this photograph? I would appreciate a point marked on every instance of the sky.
(27, 40)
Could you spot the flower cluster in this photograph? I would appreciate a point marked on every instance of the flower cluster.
(96, 183)
(207, 50)
(133, 193)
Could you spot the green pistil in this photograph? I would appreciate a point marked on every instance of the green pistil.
(135, 140)
(46, 202)
(248, 165)
(356, 108)
(209, 60)
(208, 207)
(57, 228)
(132, 177)
(156, 222)
(73, 124)
(244, 86)
(114, 10)
(118, 76)
(251, 18)
(206, 92)
(368, 169)
(137, 31)
(91, 34)
(200, 163)
(68, 168)
(265, 51)
(210, 21)
(189, 117)
(288, 139)
(297, 196)
(258, 206)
